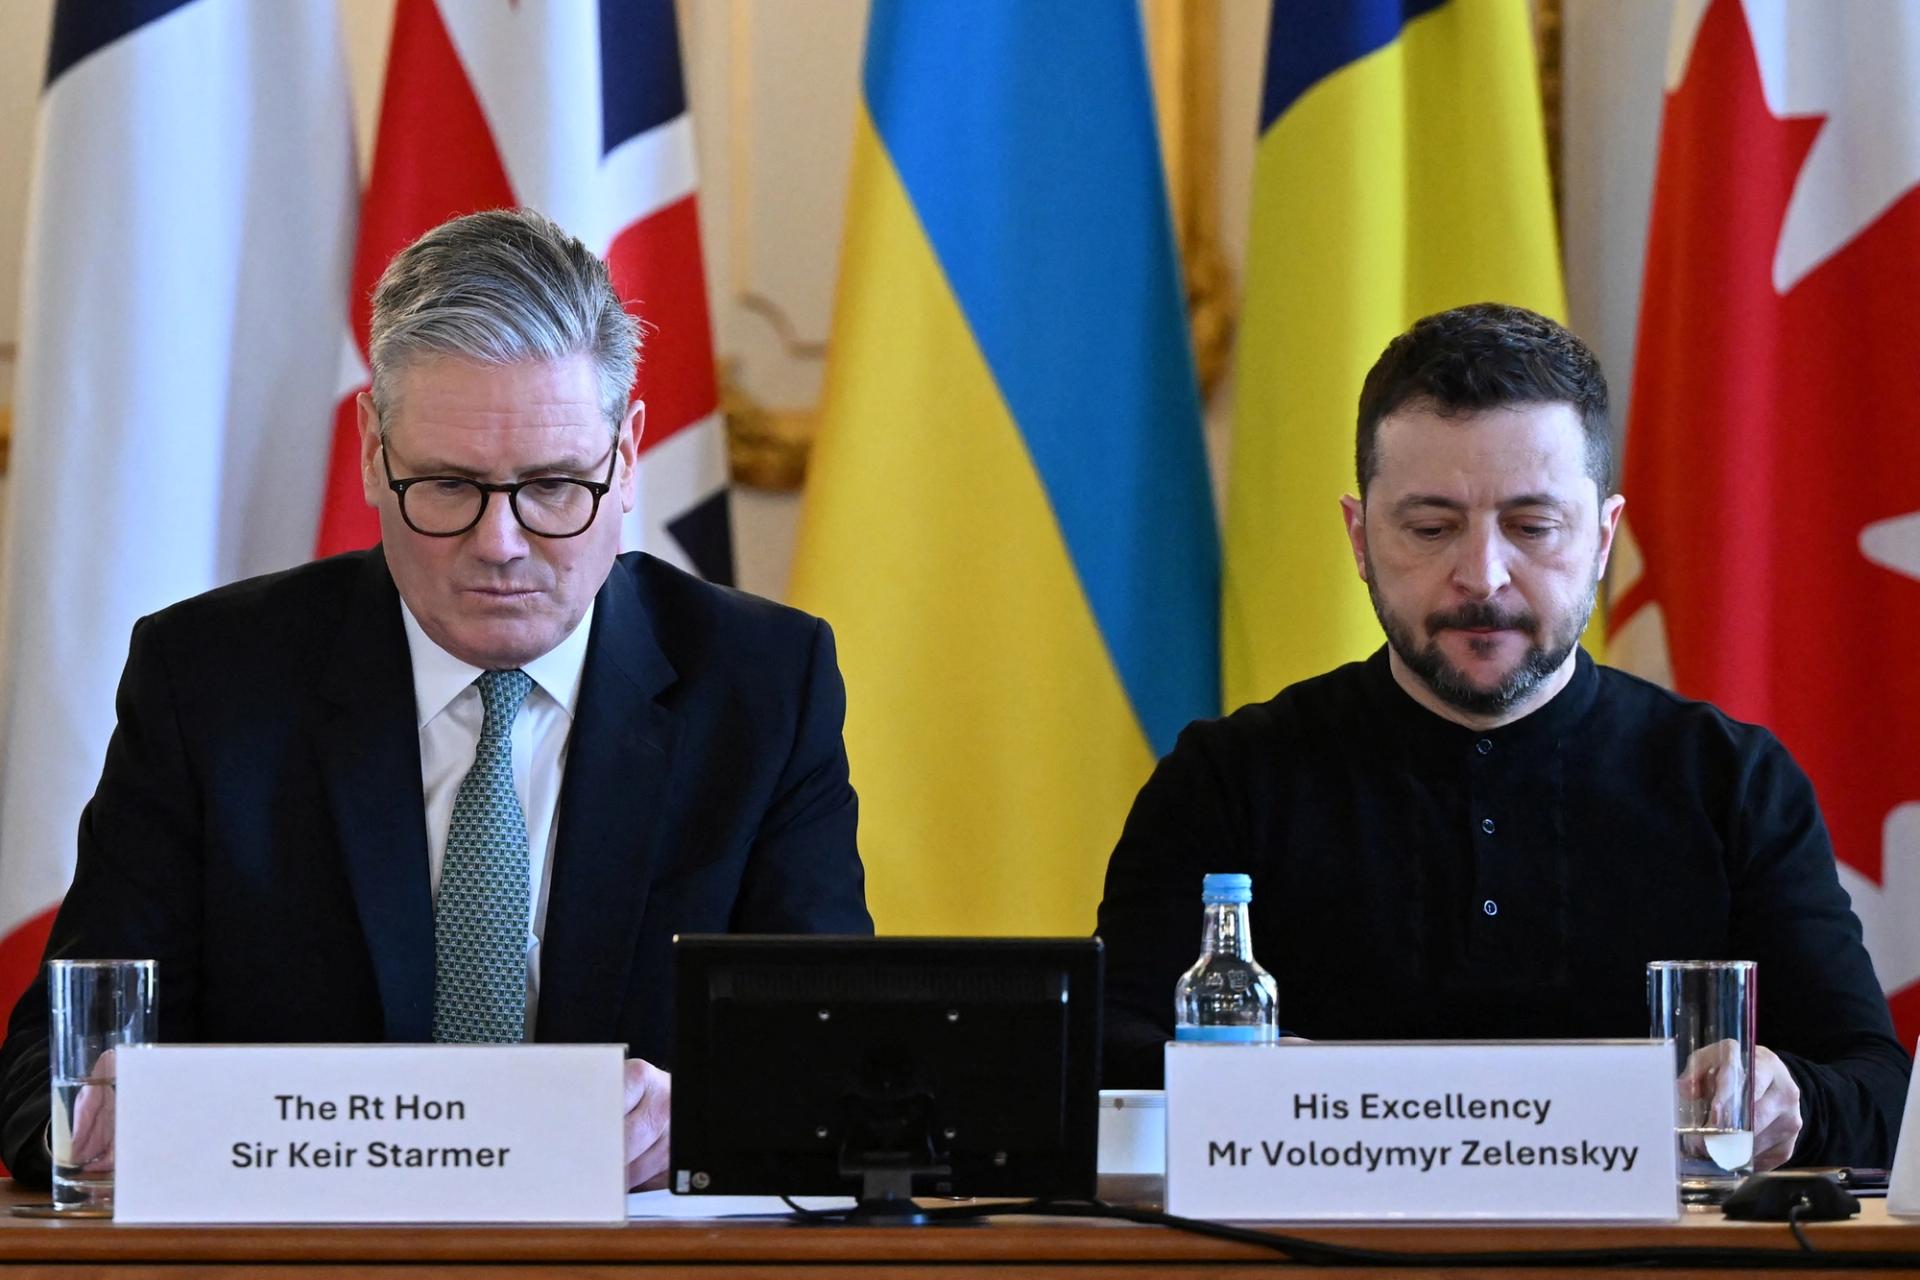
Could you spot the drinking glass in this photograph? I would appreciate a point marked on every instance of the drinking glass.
(94, 1007)
(1707, 1007)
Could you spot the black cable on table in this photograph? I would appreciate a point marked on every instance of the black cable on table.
(814, 1215)
(1311, 1252)
(1800, 1206)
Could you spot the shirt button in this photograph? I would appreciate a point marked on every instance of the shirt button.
(1483, 746)
(1491, 907)
(1486, 825)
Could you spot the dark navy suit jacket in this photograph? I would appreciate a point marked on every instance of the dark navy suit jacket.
(259, 828)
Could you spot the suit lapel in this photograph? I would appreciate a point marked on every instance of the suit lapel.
(370, 758)
(608, 847)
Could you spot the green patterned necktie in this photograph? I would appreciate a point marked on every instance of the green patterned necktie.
(480, 915)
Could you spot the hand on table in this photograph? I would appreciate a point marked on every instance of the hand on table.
(1712, 1073)
(1776, 1110)
(92, 1119)
(649, 1101)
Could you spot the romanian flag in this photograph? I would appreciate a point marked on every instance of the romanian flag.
(1402, 170)
(1008, 521)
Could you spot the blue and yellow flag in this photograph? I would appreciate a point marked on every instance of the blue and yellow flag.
(1402, 170)
(1007, 520)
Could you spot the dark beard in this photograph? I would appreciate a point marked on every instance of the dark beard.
(1448, 682)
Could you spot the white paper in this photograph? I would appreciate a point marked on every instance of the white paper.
(665, 1204)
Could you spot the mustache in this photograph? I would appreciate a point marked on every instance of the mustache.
(1472, 616)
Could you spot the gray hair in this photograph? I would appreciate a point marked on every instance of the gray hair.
(501, 287)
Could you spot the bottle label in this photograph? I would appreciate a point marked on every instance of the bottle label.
(1224, 1035)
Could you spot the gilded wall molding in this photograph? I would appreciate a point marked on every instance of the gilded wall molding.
(1183, 56)
(9, 352)
(767, 446)
(1549, 33)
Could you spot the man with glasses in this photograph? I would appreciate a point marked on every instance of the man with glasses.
(466, 786)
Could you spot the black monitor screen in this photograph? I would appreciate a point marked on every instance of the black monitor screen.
(886, 1067)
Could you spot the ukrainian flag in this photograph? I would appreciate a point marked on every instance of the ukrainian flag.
(1007, 520)
(1402, 170)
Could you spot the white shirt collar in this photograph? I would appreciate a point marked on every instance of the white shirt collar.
(439, 677)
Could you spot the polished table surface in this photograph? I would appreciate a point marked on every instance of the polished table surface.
(1006, 1247)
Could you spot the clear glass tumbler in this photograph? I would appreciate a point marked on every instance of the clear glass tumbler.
(1707, 1008)
(94, 1007)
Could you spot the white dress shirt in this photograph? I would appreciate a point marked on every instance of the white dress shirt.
(450, 713)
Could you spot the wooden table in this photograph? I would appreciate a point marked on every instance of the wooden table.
(36, 1249)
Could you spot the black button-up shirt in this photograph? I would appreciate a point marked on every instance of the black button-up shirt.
(1414, 878)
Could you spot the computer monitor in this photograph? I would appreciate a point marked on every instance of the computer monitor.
(885, 1068)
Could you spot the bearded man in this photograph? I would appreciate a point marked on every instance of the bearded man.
(1477, 832)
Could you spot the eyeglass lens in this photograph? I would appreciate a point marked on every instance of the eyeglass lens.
(556, 507)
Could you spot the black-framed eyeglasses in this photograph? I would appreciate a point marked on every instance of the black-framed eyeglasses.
(546, 506)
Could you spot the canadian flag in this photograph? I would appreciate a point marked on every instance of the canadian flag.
(1771, 561)
(577, 110)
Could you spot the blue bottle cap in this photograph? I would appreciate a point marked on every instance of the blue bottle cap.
(1226, 887)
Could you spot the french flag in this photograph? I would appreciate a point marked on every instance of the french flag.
(577, 110)
(190, 232)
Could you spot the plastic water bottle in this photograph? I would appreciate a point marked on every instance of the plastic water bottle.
(1226, 998)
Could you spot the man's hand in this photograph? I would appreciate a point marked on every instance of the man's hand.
(91, 1150)
(1712, 1074)
(649, 1106)
(1776, 1110)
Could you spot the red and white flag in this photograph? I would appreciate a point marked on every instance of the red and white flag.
(577, 110)
(190, 229)
(1772, 559)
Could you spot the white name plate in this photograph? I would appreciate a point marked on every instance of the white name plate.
(1425, 1131)
(370, 1133)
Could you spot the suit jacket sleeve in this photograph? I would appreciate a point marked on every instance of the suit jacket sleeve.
(1821, 1008)
(803, 874)
(134, 896)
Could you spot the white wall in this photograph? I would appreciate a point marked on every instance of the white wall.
(773, 88)
(1614, 63)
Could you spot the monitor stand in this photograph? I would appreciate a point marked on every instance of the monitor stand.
(886, 1200)
(891, 1140)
